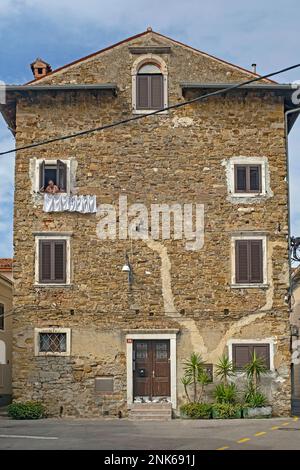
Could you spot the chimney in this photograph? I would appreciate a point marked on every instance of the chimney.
(40, 68)
(254, 68)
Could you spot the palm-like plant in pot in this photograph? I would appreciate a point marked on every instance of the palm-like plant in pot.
(255, 400)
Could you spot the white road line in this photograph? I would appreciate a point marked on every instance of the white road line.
(16, 436)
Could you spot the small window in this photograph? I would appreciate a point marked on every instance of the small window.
(40, 71)
(243, 352)
(247, 178)
(52, 261)
(1, 317)
(53, 342)
(56, 172)
(149, 88)
(248, 261)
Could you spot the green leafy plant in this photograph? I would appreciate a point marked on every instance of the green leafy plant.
(193, 370)
(203, 379)
(27, 410)
(224, 369)
(197, 410)
(254, 398)
(254, 371)
(186, 381)
(225, 393)
(226, 411)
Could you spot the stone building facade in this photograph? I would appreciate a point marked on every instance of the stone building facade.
(76, 342)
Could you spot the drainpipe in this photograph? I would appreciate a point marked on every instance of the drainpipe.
(286, 114)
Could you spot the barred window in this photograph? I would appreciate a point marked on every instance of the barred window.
(53, 342)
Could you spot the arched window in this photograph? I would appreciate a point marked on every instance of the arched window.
(149, 85)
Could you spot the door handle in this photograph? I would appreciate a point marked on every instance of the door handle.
(153, 374)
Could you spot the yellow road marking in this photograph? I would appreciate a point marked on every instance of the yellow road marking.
(245, 439)
(295, 418)
(285, 424)
(223, 448)
(274, 427)
(260, 433)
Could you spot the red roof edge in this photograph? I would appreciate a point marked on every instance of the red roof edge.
(90, 55)
(6, 264)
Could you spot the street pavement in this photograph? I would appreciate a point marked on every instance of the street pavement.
(122, 434)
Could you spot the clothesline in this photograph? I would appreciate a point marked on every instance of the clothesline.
(64, 202)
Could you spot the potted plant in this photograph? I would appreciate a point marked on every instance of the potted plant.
(225, 393)
(255, 402)
(196, 378)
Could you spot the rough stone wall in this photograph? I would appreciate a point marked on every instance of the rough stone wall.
(163, 159)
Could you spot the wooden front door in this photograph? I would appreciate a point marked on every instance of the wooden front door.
(151, 368)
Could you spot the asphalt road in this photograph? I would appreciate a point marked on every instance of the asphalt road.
(122, 434)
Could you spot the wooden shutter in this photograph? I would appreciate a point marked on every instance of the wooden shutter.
(59, 254)
(241, 261)
(256, 261)
(263, 351)
(61, 175)
(52, 261)
(240, 355)
(142, 92)
(156, 91)
(45, 261)
(42, 175)
(255, 178)
(1, 317)
(240, 178)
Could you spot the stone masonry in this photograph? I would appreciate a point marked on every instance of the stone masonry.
(174, 157)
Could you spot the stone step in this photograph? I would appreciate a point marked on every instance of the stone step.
(3, 412)
(151, 411)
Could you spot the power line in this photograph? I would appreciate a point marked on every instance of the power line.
(152, 113)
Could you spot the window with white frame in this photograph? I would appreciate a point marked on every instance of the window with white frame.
(52, 341)
(149, 84)
(52, 259)
(249, 260)
(248, 177)
(55, 170)
(241, 351)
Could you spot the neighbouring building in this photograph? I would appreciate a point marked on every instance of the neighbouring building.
(295, 331)
(101, 323)
(6, 295)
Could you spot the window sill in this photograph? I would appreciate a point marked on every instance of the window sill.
(52, 285)
(57, 354)
(147, 111)
(261, 195)
(249, 286)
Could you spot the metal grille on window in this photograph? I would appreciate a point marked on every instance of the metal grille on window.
(161, 351)
(141, 351)
(53, 342)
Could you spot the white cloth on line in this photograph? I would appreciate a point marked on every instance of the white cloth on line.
(63, 202)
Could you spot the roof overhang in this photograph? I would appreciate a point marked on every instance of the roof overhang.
(285, 90)
(13, 92)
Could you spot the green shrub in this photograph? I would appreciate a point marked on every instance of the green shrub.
(196, 410)
(27, 410)
(226, 410)
(225, 393)
(255, 399)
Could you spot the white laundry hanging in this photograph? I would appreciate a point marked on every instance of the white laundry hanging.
(63, 202)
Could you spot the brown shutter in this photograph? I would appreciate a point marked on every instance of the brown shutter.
(156, 91)
(240, 178)
(241, 261)
(59, 254)
(142, 92)
(256, 261)
(42, 175)
(255, 178)
(61, 175)
(263, 351)
(240, 355)
(45, 261)
(1, 317)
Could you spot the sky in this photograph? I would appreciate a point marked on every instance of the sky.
(60, 31)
